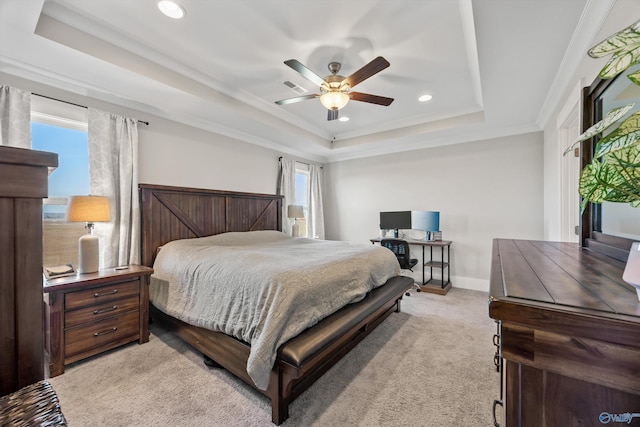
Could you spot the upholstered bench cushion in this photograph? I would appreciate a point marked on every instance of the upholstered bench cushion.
(33, 405)
(299, 349)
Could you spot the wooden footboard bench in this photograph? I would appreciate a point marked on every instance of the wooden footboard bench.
(303, 359)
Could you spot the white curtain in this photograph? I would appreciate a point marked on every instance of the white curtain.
(315, 222)
(15, 117)
(113, 170)
(287, 188)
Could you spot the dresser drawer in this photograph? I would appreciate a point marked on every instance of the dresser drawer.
(84, 338)
(98, 312)
(102, 294)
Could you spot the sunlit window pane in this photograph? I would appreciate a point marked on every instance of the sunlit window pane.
(302, 191)
(72, 174)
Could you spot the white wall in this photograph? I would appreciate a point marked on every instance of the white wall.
(174, 154)
(623, 14)
(483, 190)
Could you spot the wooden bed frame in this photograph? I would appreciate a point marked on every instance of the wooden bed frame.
(170, 213)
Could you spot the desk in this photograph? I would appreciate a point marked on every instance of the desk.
(430, 285)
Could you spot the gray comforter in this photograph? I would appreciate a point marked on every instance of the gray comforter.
(264, 287)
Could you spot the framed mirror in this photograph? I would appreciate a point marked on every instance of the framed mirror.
(609, 228)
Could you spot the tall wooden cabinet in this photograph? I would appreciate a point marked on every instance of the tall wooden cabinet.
(23, 185)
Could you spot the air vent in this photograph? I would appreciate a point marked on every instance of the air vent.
(294, 87)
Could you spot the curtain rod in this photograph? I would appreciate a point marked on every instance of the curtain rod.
(297, 161)
(77, 105)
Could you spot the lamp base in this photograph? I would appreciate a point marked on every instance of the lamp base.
(89, 255)
(295, 229)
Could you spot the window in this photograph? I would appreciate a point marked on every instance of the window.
(61, 128)
(302, 195)
(72, 174)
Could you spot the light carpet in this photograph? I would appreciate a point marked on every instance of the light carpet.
(430, 365)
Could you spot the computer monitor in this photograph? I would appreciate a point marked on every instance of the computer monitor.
(429, 221)
(395, 220)
(425, 220)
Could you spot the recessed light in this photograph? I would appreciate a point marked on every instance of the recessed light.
(344, 119)
(171, 9)
(425, 98)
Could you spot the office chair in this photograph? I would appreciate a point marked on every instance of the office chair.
(401, 249)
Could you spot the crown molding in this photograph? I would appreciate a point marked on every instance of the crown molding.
(593, 16)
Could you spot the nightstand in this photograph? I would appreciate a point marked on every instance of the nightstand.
(87, 314)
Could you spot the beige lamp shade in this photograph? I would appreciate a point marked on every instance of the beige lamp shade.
(88, 209)
(295, 211)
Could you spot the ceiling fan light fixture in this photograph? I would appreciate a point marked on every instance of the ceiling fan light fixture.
(335, 90)
(171, 9)
(425, 98)
(334, 100)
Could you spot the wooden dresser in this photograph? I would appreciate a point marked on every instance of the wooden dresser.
(569, 338)
(23, 185)
(90, 313)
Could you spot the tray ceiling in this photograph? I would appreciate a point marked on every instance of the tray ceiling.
(490, 65)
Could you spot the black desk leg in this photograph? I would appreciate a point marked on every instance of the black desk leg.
(448, 264)
(423, 262)
(442, 269)
(430, 263)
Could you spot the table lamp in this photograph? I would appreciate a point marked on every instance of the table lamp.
(429, 221)
(88, 209)
(295, 212)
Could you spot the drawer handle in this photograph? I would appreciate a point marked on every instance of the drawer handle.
(108, 331)
(495, 404)
(496, 340)
(104, 310)
(97, 294)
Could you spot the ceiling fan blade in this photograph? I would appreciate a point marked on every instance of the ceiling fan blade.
(297, 99)
(332, 115)
(373, 99)
(367, 71)
(306, 73)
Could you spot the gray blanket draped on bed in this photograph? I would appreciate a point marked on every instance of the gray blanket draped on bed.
(264, 287)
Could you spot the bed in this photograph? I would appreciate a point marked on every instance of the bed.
(175, 217)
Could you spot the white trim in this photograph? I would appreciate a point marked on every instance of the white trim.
(593, 16)
(574, 99)
(471, 44)
(49, 119)
(471, 283)
(569, 175)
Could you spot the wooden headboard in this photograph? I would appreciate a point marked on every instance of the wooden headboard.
(171, 213)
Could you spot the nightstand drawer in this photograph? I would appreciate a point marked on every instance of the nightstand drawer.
(102, 294)
(101, 311)
(78, 340)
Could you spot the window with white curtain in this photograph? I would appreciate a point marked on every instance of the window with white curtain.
(302, 195)
(61, 128)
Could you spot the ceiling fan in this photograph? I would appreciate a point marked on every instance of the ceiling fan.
(335, 90)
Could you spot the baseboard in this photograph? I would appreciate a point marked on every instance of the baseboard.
(457, 282)
(470, 283)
